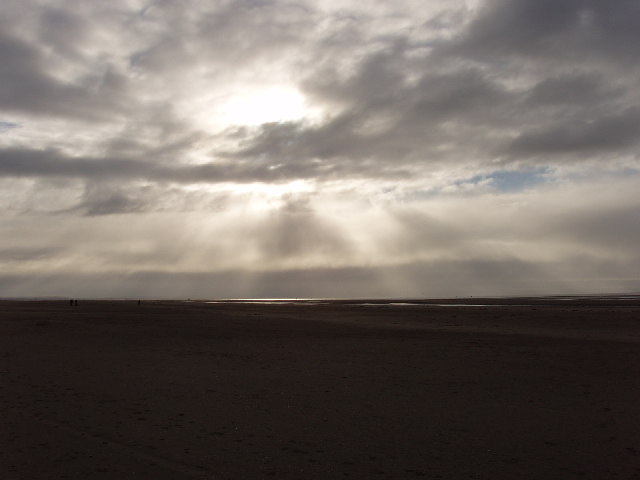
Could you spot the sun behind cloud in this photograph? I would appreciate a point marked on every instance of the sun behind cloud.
(263, 105)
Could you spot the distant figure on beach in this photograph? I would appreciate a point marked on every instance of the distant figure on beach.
(71, 302)
(75, 302)
(138, 302)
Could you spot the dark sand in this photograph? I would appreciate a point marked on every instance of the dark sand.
(549, 389)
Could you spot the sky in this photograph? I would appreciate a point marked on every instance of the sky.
(325, 148)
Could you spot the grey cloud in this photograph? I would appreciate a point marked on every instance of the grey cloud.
(64, 31)
(377, 81)
(160, 168)
(5, 126)
(406, 116)
(522, 25)
(592, 232)
(479, 246)
(570, 30)
(526, 83)
(461, 95)
(23, 82)
(253, 28)
(36, 163)
(49, 163)
(576, 89)
(104, 201)
(601, 226)
(598, 220)
(394, 80)
(426, 279)
(116, 198)
(608, 133)
(393, 108)
(156, 135)
(401, 108)
(25, 86)
(219, 38)
(25, 254)
(422, 233)
(296, 231)
(393, 124)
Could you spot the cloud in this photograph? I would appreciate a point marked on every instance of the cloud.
(571, 89)
(548, 30)
(564, 238)
(25, 254)
(27, 87)
(105, 201)
(296, 231)
(417, 124)
(4, 126)
(421, 280)
(612, 133)
(495, 87)
(38, 163)
(435, 148)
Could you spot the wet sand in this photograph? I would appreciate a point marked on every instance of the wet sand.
(548, 388)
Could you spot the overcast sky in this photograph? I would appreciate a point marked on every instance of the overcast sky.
(319, 148)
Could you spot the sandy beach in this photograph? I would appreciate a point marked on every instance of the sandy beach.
(518, 389)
